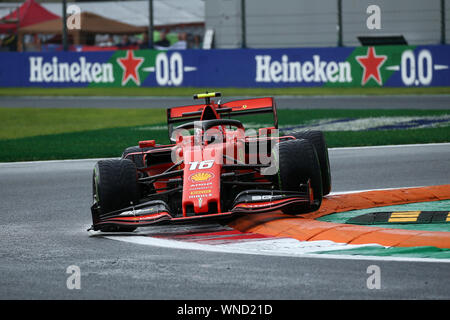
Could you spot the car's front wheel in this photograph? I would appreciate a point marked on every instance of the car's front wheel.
(298, 163)
(317, 139)
(114, 186)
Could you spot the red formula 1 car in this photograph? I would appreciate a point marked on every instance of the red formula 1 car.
(213, 169)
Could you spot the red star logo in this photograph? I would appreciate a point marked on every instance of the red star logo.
(371, 64)
(130, 65)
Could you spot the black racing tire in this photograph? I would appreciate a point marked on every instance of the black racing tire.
(115, 187)
(298, 163)
(317, 139)
(138, 159)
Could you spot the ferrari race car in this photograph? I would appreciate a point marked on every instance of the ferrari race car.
(214, 168)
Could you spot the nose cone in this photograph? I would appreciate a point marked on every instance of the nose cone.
(201, 180)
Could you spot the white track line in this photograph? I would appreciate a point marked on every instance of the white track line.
(5, 164)
(444, 144)
(367, 190)
(284, 247)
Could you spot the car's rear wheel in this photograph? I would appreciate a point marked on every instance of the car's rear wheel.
(317, 139)
(114, 187)
(298, 163)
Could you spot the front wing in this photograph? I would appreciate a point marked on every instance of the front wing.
(157, 211)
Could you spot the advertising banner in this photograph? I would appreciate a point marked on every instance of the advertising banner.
(387, 66)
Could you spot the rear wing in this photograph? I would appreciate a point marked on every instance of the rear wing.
(230, 109)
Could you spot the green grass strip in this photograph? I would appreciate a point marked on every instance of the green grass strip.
(75, 145)
(30, 134)
(112, 141)
(386, 137)
(407, 252)
(304, 115)
(227, 92)
(28, 122)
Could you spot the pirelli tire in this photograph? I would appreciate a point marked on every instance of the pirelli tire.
(298, 163)
(138, 159)
(317, 139)
(115, 187)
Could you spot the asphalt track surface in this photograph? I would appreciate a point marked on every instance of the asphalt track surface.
(45, 214)
(283, 102)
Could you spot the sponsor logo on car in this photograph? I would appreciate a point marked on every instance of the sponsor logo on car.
(200, 192)
(137, 212)
(201, 176)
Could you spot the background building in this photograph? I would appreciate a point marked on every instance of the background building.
(305, 23)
